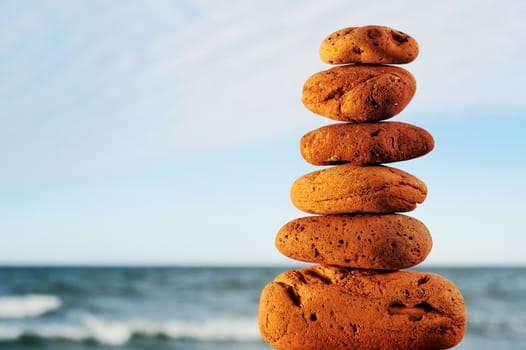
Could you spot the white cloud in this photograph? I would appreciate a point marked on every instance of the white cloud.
(110, 84)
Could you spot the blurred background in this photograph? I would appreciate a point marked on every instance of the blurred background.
(148, 149)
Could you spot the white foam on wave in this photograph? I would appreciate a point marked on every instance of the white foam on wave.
(240, 330)
(120, 332)
(24, 306)
(500, 324)
(10, 333)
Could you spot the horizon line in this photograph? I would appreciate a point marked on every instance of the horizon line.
(233, 265)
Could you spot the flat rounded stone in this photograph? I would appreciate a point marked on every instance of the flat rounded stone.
(385, 242)
(350, 188)
(336, 308)
(365, 143)
(359, 93)
(368, 44)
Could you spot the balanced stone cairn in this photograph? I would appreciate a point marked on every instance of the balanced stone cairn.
(357, 297)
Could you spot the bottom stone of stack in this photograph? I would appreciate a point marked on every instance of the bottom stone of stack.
(330, 307)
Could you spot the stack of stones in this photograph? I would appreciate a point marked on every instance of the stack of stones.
(357, 297)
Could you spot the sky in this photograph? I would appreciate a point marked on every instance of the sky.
(167, 132)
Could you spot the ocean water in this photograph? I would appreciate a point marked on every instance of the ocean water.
(194, 308)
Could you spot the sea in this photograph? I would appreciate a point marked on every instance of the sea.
(197, 308)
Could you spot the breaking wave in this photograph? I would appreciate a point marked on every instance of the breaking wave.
(119, 332)
(26, 306)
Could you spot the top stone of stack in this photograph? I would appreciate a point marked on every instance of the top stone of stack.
(368, 44)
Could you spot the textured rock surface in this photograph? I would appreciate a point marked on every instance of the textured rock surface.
(332, 308)
(368, 44)
(365, 143)
(350, 188)
(359, 93)
(390, 241)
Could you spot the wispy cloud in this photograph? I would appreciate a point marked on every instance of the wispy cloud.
(91, 85)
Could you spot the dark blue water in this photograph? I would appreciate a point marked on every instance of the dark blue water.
(203, 307)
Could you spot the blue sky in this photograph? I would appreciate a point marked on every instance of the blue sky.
(167, 131)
